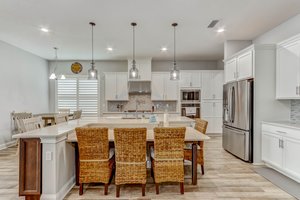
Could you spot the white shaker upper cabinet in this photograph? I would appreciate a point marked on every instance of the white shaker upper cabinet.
(116, 86)
(245, 66)
(162, 88)
(157, 87)
(288, 70)
(190, 79)
(212, 85)
(230, 70)
(240, 66)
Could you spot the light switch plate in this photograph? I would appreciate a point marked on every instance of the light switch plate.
(48, 155)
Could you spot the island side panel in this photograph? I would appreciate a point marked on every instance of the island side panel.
(30, 168)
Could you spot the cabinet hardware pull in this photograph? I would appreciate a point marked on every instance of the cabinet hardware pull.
(298, 90)
(282, 144)
(281, 132)
(297, 93)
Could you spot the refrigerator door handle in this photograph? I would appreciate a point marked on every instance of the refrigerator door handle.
(229, 104)
(232, 105)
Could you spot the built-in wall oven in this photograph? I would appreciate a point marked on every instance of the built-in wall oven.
(190, 102)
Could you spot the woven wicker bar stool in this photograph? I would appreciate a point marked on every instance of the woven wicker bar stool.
(130, 148)
(201, 125)
(96, 161)
(167, 157)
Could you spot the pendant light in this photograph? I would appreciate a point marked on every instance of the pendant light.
(175, 73)
(53, 75)
(133, 72)
(92, 73)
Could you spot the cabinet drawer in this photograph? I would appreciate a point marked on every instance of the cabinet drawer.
(283, 131)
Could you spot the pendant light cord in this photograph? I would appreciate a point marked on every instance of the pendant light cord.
(174, 45)
(55, 48)
(92, 46)
(92, 24)
(133, 39)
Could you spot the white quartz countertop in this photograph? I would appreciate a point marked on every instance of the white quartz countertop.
(286, 124)
(68, 127)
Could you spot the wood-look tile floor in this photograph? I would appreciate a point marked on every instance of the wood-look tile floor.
(226, 177)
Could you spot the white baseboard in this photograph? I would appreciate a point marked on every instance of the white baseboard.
(8, 144)
(62, 192)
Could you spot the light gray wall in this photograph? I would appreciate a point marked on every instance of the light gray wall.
(285, 30)
(23, 86)
(233, 46)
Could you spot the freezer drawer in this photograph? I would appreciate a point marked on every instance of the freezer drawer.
(237, 142)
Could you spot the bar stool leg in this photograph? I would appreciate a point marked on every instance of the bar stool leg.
(143, 189)
(117, 190)
(157, 188)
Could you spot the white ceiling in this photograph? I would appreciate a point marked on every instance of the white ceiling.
(68, 21)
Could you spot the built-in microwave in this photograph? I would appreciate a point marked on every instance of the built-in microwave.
(190, 95)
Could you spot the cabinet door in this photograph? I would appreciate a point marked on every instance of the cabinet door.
(157, 87)
(122, 86)
(230, 70)
(287, 74)
(218, 80)
(291, 164)
(185, 79)
(144, 67)
(171, 88)
(110, 86)
(218, 123)
(218, 108)
(207, 85)
(271, 151)
(196, 79)
(245, 66)
(207, 109)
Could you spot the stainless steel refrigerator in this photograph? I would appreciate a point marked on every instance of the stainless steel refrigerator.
(238, 119)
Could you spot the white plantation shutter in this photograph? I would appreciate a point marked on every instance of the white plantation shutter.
(78, 93)
(88, 97)
(67, 94)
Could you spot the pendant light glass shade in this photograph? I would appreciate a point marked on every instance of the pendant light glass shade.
(175, 72)
(92, 73)
(133, 72)
(62, 77)
(52, 76)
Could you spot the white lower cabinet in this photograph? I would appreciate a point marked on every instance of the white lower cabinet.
(211, 111)
(271, 150)
(291, 162)
(280, 149)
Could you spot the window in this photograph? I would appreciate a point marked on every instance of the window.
(78, 94)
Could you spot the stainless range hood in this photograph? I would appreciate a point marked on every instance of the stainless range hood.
(139, 87)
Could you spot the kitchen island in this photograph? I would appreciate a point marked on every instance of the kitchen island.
(47, 155)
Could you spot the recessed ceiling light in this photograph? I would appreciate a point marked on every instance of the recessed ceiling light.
(109, 49)
(220, 30)
(164, 49)
(44, 30)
